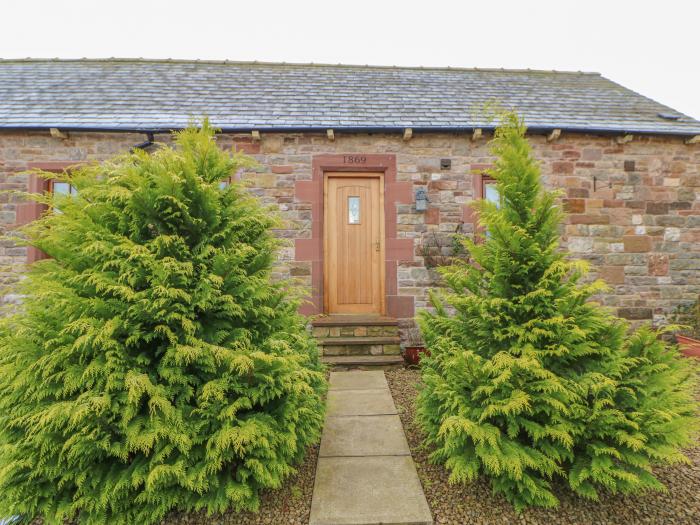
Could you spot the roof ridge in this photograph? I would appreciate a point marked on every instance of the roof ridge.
(292, 64)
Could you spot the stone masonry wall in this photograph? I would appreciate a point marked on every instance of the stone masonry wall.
(634, 208)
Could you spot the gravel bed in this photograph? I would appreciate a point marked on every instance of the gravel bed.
(474, 503)
(290, 505)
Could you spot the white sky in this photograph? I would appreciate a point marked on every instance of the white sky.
(650, 46)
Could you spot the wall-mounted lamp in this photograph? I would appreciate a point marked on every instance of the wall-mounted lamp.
(421, 199)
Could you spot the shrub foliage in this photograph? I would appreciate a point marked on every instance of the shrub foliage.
(154, 364)
(529, 382)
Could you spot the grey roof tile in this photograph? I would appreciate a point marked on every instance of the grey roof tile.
(150, 94)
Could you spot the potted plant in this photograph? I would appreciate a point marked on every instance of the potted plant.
(414, 346)
(688, 337)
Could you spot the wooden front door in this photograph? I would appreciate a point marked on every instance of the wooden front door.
(354, 247)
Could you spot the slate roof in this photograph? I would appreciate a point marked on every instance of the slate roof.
(125, 94)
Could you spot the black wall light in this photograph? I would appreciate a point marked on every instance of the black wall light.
(421, 199)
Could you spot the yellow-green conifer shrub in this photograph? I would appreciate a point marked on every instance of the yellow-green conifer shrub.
(154, 365)
(529, 383)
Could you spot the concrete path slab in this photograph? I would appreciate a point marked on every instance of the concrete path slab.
(370, 402)
(368, 491)
(357, 380)
(365, 474)
(364, 436)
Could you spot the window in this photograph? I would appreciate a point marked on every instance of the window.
(61, 188)
(353, 210)
(224, 183)
(490, 191)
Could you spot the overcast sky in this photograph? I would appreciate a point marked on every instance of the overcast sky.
(648, 46)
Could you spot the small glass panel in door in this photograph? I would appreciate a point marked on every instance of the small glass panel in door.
(353, 210)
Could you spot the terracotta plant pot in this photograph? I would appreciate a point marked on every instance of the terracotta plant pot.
(689, 346)
(412, 354)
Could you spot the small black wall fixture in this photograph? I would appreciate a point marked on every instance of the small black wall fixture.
(143, 145)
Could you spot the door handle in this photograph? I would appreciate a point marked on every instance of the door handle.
(376, 246)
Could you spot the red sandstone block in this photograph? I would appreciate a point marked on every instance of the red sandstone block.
(612, 274)
(307, 249)
(578, 193)
(400, 306)
(637, 243)
(657, 208)
(282, 169)
(658, 264)
(589, 219)
(612, 203)
(442, 185)
(469, 214)
(313, 306)
(390, 224)
(571, 154)
(614, 149)
(317, 278)
(390, 278)
(562, 167)
(432, 216)
(308, 191)
(399, 192)
(574, 205)
(399, 249)
(251, 148)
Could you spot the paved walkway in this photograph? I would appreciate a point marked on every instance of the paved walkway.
(365, 474)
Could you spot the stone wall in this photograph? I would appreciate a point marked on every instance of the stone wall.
(634, 208)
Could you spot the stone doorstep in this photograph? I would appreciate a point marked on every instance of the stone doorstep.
(333, 350)
(353, 331)
(347, 436)
(368, 491)
(354, 320)
(363, 362)
(360, 341)
(367, 402)
(359, 350)
(357, 380)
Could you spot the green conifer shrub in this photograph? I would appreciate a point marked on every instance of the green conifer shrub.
(528, 382)
(154, 365)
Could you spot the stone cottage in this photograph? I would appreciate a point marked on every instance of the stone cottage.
(374, 169)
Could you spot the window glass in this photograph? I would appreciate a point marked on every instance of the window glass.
(61, 188)
(353, 210)
(491, 193)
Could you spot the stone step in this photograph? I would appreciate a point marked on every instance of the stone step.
(363, 362)
(360, 341)
(357, 335)
(355, 331)
(360, 350)
(354, 320)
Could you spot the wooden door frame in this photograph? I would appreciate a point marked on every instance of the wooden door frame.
(348, 173)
